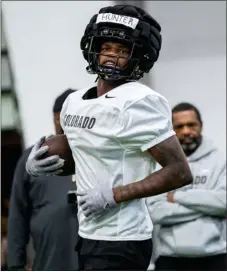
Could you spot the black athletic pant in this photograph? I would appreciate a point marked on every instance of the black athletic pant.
(114, 255)
(211, 263)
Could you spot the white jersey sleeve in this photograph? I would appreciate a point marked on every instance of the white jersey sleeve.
(146, 123)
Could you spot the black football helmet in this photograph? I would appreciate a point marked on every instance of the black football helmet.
(128, 25)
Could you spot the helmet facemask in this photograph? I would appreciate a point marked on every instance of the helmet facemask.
(130, 72)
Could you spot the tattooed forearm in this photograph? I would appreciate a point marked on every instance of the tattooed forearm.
(174, 174)
(164, 180)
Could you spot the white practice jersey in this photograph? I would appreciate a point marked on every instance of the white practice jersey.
(109, 137)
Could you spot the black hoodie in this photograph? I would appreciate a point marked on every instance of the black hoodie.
(38, 207)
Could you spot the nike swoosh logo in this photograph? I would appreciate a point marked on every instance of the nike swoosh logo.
(106, 96)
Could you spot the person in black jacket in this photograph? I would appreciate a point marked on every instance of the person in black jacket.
(39, 209)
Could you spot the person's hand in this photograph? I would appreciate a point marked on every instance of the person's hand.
(95, 201)
(170, 197)
(38, 166)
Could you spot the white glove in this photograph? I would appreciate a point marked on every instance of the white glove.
(95, 201)
(36, 166)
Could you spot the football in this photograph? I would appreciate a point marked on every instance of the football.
(58, 145)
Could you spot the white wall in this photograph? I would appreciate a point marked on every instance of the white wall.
(44, 43)
(192, 64)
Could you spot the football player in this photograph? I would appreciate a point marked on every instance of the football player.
(118, 131)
